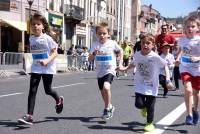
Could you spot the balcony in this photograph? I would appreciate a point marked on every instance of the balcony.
(73, 14)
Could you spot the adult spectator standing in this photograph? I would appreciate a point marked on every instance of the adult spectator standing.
(127, 51)
(164, 37)
(70, 55)
(137, 46)
(60, 49)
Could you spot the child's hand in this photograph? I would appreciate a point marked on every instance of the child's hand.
(44, 62)
(169, 85)
(177, 63)
(120, 68)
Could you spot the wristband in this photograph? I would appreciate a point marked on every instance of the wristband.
(168, 81)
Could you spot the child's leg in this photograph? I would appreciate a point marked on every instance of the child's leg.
(188, 97)
(139, 101)
(196, 98)
(47, 82)
(106, 94)
(162, 81)
(150, 104)
(34, 82)
(104, 85)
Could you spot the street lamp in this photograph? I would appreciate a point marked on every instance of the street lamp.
(30, 2)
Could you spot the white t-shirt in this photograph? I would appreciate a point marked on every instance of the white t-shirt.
(106, 57)
(85, 56)
(40, 48)
(147, 72)
(190, 47)
(170, 63)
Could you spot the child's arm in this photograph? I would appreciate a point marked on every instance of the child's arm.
(92, 55)
(51, 57)
(122, 68)
(168, 81)
(177, 60)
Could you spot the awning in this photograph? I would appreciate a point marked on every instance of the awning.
(22, 26)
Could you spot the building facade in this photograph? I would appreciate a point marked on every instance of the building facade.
(71, 21)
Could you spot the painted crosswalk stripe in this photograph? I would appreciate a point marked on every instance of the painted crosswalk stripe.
(165, 122)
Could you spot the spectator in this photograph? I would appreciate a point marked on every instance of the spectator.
(164, 37)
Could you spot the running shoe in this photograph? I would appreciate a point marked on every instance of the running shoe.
(149, 127)
(195, 115)
(144, 112)
(189, 120)
(108, 113)
(27, 119)
(59, 106)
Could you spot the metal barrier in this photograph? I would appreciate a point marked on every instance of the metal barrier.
(11, 62)
(14, 62)
(2, 68)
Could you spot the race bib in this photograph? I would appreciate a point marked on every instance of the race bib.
(186, 61)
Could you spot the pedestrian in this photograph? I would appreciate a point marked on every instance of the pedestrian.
(189, 58)
(104, 52)
(164, 37)
(84, 56)
(148, 64)
(60, 49)
(44, 51)
(137, 46)
(169, 58)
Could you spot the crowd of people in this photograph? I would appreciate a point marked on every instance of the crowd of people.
(156, 59)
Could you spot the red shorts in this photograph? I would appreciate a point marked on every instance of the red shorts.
(195, 80)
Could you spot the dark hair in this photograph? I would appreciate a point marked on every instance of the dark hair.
(39, 17)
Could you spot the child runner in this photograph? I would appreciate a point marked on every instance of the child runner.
(104, 51)
(84, 56)
(148, 64)
(190, 68)
(44, 51)
(166, 55)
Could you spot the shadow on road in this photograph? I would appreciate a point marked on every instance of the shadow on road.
(82, 119)
(15, 125)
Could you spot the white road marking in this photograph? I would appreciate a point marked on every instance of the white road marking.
(52, 87)
(68, 85)
(165, 122)
(10, 94)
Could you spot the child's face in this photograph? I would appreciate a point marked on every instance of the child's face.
(37, 27)
(102, 34)
(165, 49)
(146, 46)
(191, 29)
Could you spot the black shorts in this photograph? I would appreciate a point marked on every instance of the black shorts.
(105, 78)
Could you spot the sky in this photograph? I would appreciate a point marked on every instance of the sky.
(173, 8)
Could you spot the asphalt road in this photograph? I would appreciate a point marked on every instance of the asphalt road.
(83, 108)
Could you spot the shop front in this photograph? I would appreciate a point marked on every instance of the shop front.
(56, 25)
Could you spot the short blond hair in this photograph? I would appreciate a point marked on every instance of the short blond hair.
(192, 18)
(103, 25)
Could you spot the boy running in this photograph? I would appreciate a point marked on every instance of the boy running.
(148, 64)
(104, 52)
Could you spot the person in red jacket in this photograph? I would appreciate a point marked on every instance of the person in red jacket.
(164, 37)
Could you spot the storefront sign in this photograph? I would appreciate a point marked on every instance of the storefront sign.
(4, 5)
(55, 20)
